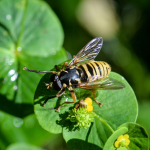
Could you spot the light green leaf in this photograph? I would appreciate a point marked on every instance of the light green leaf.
(23, 146)
(31, 36)
(119, 106)
(23, 130)
(109, 145)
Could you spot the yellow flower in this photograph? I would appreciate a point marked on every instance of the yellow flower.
(89, 104)
(122, 140)
(88, 101)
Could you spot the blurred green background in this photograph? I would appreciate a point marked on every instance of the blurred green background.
(124, 26)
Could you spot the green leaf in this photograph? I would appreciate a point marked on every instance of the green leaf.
(110, 142)
(122, 148)
(143, 116)
(118, 106)
(23, 146)
(92, 138)
(138, 136)
(31, 36)
(23, 130)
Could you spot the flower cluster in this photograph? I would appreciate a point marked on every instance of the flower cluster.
(122, 141)
(82, 115)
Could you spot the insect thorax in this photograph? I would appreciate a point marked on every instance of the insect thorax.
(70, 76)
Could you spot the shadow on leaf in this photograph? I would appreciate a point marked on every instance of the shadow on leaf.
(66, 123)
(75, 144)
(18, 110)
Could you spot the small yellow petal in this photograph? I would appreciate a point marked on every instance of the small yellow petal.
(89, 108)
(88, 101)
(126, 136)
(116, 144)
(128, 142)
(120, 138)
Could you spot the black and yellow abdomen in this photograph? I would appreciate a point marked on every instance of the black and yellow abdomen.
(97, 69)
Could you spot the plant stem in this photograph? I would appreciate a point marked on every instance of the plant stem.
(102, 120)
(22, 25)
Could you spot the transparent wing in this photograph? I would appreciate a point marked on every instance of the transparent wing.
(102, 84)
(88, 52)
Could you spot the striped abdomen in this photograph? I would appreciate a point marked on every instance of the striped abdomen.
(97, 69)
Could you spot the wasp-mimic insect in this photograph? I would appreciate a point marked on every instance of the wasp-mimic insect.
(82, 72)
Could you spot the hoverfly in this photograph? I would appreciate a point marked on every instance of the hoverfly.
(82, 72)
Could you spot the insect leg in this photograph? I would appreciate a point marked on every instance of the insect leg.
(57, 95)
(72, 93)
(54, 72)
(57, 67)
(50, 97)
(60, 93)
(64, 65)
(94, 92)
(73, 97)
(58, 110)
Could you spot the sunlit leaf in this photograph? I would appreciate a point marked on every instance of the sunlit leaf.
(118, 106)
(31, 36)
(23, 146)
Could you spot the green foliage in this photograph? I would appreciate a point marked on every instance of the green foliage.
(31, 36)
(32, 39)
(118, 107)
(110, 142)
(26, 39)
(137, 136)
(23, 146)
(14, 129)
(143, 116)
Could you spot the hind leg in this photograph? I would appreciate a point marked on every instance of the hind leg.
(94, 92)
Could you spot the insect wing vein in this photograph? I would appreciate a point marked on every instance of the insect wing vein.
(103, 84)
(88, 52)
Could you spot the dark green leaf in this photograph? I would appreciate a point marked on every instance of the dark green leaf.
(137, 136)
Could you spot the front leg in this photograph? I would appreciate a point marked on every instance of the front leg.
(57, 95)
(73, 97)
